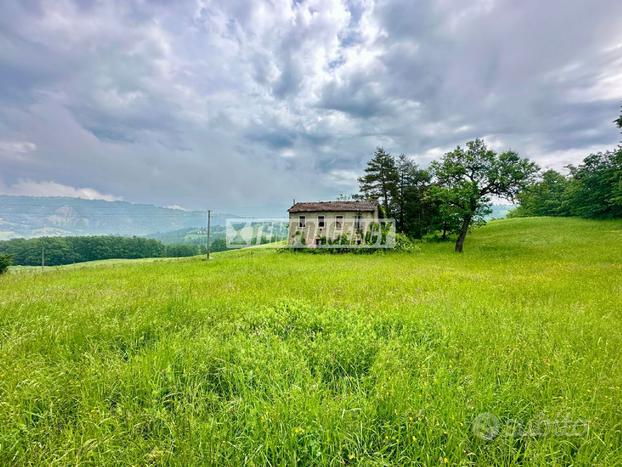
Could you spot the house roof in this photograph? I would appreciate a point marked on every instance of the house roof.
(334, 206)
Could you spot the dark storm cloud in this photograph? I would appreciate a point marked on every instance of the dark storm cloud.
(247, 103)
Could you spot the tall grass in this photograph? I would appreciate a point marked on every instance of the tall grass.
(257, 357)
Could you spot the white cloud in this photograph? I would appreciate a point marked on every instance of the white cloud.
(176, 206)
(49, 188)
(16, 149)
(344, 178)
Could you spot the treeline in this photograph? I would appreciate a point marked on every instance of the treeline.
(592, 189)
(55, 251)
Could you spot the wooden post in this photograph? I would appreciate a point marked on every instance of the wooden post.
(209, 218)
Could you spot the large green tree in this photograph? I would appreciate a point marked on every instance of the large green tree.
(380, 181)
(472, 175)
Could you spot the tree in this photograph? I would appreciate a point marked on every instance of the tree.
(444, 216)
(618, 121)
(5, 262)
(413, 207)
(547, 197)
(181, 250)
(380, 181)
(596, 189)
(472, 175)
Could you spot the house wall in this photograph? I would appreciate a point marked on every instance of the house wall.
(312, 231)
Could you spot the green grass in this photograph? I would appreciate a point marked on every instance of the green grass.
(264, 357)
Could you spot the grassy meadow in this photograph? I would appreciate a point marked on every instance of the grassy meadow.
(266, 357)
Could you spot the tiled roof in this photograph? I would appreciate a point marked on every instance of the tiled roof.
(334, 206)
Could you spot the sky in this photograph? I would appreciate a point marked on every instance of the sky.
(243, 105)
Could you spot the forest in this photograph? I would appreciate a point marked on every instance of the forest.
(55, 251)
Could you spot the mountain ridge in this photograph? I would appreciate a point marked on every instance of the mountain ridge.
(37, 216)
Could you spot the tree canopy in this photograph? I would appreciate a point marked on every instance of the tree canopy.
(54, 251)
(470, 176)
(592, 189)
(546, 197)
(380, 181)
(5, 262)
(401, 187)
(449, 197)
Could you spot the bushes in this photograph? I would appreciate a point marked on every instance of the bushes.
(5, 262)
(405, 243)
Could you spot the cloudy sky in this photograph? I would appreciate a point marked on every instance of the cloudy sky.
(242, 105)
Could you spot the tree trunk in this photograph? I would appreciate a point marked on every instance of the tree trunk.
(463, 233)
(385, 196)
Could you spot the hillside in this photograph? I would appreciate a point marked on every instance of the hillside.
(507, 354)
(30, 216)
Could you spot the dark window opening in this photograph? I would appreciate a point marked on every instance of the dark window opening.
(357, 222)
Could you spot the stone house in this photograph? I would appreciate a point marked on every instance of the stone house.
(316, 223)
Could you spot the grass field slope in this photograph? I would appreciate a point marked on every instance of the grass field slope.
(507, 354)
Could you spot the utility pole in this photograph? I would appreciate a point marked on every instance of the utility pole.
(42, 255)
(209, 218)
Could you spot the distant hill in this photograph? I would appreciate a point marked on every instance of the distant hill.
(500, 211)
(29, 216)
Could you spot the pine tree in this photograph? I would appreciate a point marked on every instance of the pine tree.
(380, 181)
(413, 208)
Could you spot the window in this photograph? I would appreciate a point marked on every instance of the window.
(301, 222)
(339, 222)
(320, 221)
(357, 222)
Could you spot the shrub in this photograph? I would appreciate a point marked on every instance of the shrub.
(5, 262)
(405, 243)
